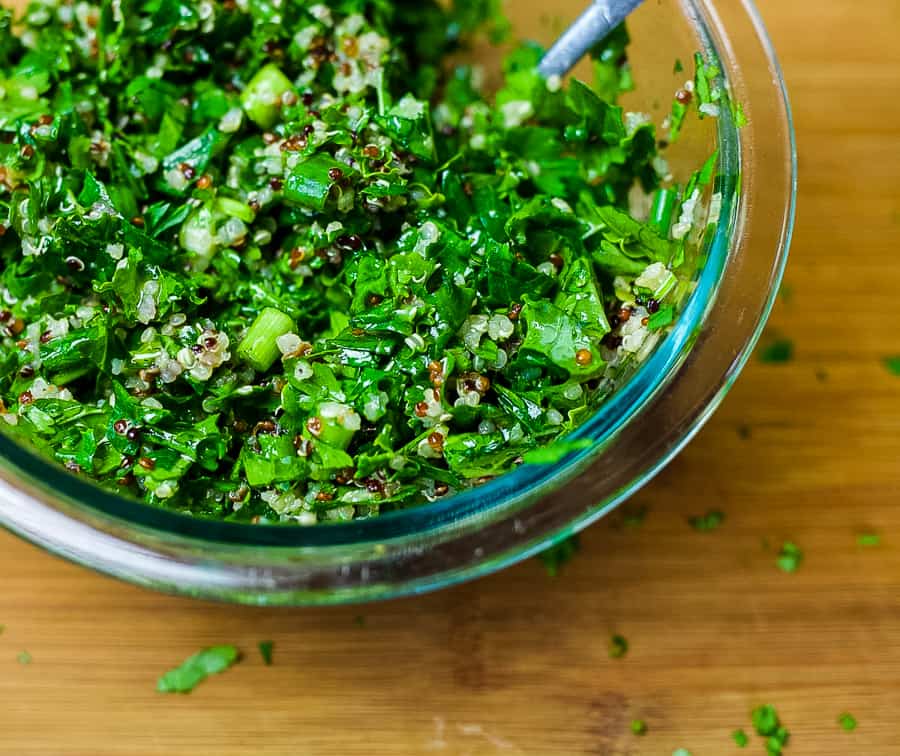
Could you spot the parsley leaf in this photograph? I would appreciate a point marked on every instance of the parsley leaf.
(847, 722)
(777, 351)
(195, 669)
(868, 539)
(618, 647)
(556, 452)
(893, 364)
(633, 517)
(265, 650)
(638, 727)
(24, 657)
(710, 521)
(740, 738)
(790, 557)
(559, 554)
(661, 318)
(768, 725)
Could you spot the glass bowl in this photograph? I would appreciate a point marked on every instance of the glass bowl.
(640, 428)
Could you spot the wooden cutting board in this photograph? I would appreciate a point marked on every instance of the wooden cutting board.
(517, 663)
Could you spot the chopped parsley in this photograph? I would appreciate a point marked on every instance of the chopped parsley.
(740, 738)
(24, 657)
(633, 517)
(287, 263)
(194, 670)
(777, 351)
(559, 554)
(710, 521)
(681, 752)
(768, 725)
(790, 557)
(868, 539)
(638, 727)
(558, 450)
(265, 650)
(661, 318)
(893, 364)
(847, 722)
(618, 647)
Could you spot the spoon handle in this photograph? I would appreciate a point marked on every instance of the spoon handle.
(591, 26)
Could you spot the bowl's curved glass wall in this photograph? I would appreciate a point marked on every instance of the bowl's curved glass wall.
(635, 433)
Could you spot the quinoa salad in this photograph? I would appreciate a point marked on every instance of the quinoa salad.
(280, 261)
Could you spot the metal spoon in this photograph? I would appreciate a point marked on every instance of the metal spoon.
(591, 26)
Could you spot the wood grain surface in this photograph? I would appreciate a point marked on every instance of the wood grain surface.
(517, 663)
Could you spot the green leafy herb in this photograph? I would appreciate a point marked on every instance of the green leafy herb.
(710, 521)
(638, 727)
(633, 517)
(288, 263)
(559, 554)
(768, 725)
(740, 738)
(194, 670)
(777, 351)
(661, 318)
(847, 722)
(265, 650)
(892, 364)
(24, 657)
(618, 647)
(790, 557)
(868, 539)
(681, 752)
(557, 451)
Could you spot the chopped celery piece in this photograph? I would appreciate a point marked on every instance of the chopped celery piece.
(258, 348)
(262, 97)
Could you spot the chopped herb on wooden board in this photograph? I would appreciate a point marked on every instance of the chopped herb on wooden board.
(618, 647)
(790, 557)
(709, 521)
(560, 554)
(777, 351)
(266, 650)
(893, 364)
(194, 670)
(767, 724)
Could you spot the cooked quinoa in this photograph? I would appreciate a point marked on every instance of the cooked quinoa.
(279, 262)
